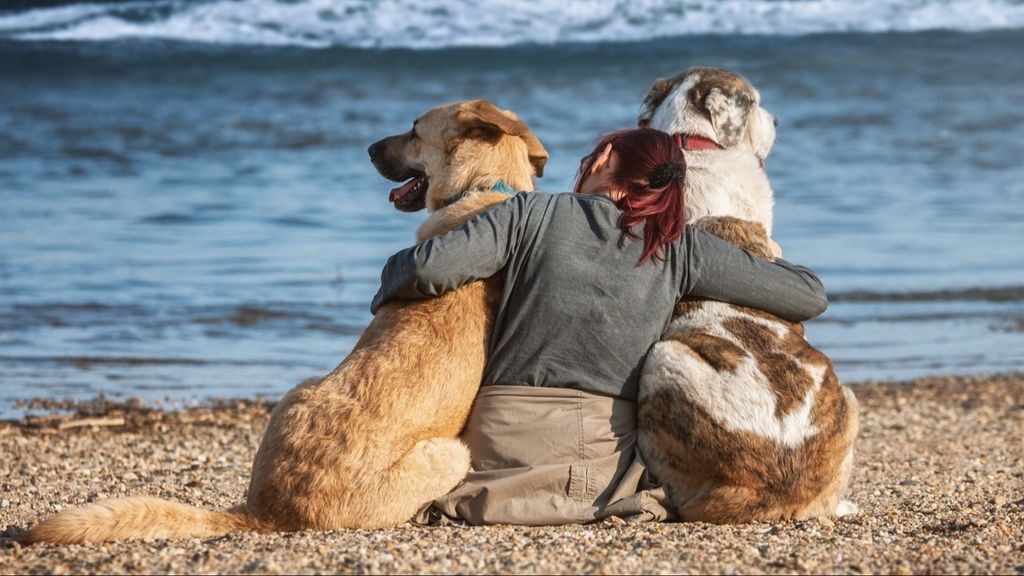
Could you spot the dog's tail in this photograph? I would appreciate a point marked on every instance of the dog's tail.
(141, 518)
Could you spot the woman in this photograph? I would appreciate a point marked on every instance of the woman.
(590, 282)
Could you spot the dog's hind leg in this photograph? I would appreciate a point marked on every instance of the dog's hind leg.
(430, 470)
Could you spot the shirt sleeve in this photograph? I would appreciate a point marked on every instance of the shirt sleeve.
(478, 249)
(720, 271)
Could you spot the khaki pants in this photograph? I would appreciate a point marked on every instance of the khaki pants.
(549, 456)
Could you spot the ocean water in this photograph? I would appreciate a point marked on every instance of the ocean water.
(187, 210)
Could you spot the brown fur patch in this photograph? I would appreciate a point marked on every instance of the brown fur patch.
(730, 83)
(687, 307)
(750, 236)
(718, 353)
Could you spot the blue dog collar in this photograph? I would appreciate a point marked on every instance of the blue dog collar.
(499, 186)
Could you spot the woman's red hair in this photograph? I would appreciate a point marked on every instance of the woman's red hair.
(646, 155)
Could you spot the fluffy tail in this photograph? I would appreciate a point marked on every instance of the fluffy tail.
(141, 518)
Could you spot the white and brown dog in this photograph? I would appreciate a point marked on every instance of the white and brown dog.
(740, 418)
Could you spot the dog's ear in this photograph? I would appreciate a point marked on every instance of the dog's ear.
(538, 154)
(729, 115)
(654, 98)
(481, 119)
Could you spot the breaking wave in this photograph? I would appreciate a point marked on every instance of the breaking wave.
(433, 24)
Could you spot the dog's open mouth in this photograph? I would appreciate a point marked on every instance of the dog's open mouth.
(411, 196)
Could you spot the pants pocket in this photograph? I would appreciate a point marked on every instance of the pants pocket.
(580, 483)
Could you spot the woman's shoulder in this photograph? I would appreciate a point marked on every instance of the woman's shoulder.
(535, 200)
(546, 205)
(564, 198)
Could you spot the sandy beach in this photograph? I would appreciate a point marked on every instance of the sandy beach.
(939, 479)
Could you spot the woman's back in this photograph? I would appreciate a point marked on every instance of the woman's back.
(577, 309)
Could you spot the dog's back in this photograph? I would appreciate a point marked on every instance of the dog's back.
(740, 418)
(727, 183)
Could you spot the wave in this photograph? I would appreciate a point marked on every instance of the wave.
(432, 24)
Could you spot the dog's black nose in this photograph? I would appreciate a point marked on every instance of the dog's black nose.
(375, 149)
(775, 121)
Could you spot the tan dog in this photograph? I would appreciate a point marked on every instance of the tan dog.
(377, 438)
(740, 417)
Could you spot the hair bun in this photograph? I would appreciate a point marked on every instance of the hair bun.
(665, 174)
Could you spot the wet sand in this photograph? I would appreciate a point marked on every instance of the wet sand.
(939, 479)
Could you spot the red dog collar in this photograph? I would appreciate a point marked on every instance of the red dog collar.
(690, 142)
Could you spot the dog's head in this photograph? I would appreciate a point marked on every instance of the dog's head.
(457, 147)
(712, 103)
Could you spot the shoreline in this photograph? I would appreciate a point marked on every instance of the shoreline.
(41, 413)
(939, 478)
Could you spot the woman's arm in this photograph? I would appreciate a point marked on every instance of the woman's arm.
(718, 270)
(477, 250)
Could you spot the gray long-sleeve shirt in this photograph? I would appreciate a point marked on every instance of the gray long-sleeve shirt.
(576, 311)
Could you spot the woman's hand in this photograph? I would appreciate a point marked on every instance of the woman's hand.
(776, 249)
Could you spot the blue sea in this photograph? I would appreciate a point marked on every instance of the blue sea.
(187, 210)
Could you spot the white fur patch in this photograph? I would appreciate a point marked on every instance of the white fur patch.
(712, 314)
(671, 115)
(847, 508)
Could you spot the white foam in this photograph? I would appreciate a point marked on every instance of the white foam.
(448, 23)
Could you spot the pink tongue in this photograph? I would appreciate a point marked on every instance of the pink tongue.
(402, 190)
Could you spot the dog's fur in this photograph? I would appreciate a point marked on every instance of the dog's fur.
(370, 443)
(740, 418)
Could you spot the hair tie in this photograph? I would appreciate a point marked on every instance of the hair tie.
(666, 173)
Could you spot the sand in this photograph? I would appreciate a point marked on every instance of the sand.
(939, 479)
